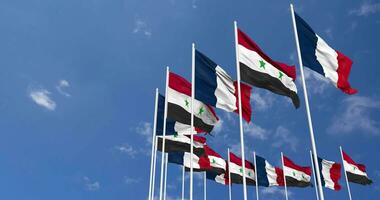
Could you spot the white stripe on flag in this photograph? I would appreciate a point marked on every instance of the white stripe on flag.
(271, 174)
(236, 169)
(353, 169)
(225, 98)
(187, 158)
(326, 167)
(328, 58)
(217, 162)
(298, 175)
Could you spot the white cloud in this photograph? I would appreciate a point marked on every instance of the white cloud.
(218, 127)
(41, 97)
(328, 32)
(366, 8)
(194, 4)
(127, 149)
(315, 83)
(145, 129)
(262, 100)
(91, 185)
(275, 190)
(62, 84)
(283, 137)
(256, 131)
(130, 180)
(142, 27)
(356, 115)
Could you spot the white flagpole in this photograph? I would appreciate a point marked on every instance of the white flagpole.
(153, 144)
(154, 167)
(256, 178)
(345, 174)
(166, 174)
(315, 181)
(313, 146)
(204, 186)
(164, 133)
(192, 117)
(283, 169)
(240, 112)
(183, 182)
(229, 176)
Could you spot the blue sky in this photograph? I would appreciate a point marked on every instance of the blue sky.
(77, 88)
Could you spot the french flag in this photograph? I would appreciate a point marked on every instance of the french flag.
(267, 175)
(330, 173)
(200, 163)
(320, 57)
(219, 178)
(215, 87)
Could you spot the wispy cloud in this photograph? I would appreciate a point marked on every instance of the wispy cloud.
(194, 4)
(127, 149)
(355, 114)
(142, 28)
(316, 83)
(274, 191)
(91, 185)
(218, 127)
(42, 98)
(366, 8)
(145, 129)
(283, 137)
(130, 180)
(62, 85)
(256, 131)
(262, 100)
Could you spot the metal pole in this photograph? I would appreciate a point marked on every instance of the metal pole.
(345, 174)
(154, 167)
(153, 145)
(166, 174)
(204, 186)
(283, 168)
(256, 178)
(314, 148)
(192, 117)
(229, 176)
(240, 112)
(183, 182)
(315, 181)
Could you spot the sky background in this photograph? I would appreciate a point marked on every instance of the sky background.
(77, 86)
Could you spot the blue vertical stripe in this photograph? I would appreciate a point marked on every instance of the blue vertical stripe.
(320, 169)
(160, 118)
(205, 79)
(262, 175)
(308, 44)
(176, 157)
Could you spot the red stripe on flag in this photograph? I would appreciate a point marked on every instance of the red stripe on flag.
(280, 176)
(237, 160)
(335, 175)
(291, 164)
(204, 163)
(211, 152)
(248, 43)
(349, 160)
(245, 100)
(344, 68)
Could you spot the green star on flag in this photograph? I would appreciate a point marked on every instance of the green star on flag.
(201, 111)
(280, 75)
(213, 160)
(262, 64)
(241, 170)
(186, 103)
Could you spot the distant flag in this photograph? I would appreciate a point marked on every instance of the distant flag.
(258, 69)
(296, 176)
(181, 143)
(321, 58)
(218, 164)
(221, 178)
(330, 173)
(179, 105)
(267, 175)
(236, 170)
(200, 163)
(215, 87)
(356, 173)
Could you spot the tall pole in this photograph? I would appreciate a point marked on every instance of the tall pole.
(314, 148)
(256, 178)
(229, 176)
(240, 112)
(153, 145)
(283, 168)
(166, 174)
(183, 182)
(192, 117)
(154, 167)
(204, 186)
(345, 173)
(315, 180)
(164, 133)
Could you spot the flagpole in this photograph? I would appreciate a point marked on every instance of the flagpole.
(283, 169)
(183, 182)
(166, 174)
(345, 173)
(314, 148)
(229, 176)
(153, 144)
(256, 178)
(315, 181)
(240, 112)
(154, 166)
(192, 117)
(164, 133)
(204, 186)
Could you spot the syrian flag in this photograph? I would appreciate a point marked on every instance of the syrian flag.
(200, 163)
(330, 173)
(258, 69)
(218, 164)
(179, 105)
(172, 127)
(219, 178)
(236, 170)
(356, 173)
(296, 176)
(215, 87)
(267, 175)
(181, 143)
(321, 58)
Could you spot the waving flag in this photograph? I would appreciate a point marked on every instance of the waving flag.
(267, 175)
(218, 164)
(321, 58)
(200, 163)
(236, 170)
(215, 87)
(179, 105)
(258, 69)
(330, 173)
(296, 176)
(219, 178)
(356, 173)
(181, 143)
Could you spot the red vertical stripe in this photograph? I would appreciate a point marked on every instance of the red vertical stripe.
(245, 100)
(335, 174)
(280, 176)
(344, 68)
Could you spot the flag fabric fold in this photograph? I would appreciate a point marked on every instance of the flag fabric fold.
(356, 173)
(321, 58)
(258, 69)
(236, 170)
(219, 178)
(218, 164)
(182, 143)
(330, 173)
(200, 163)
(296, 175)
(268, 175)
